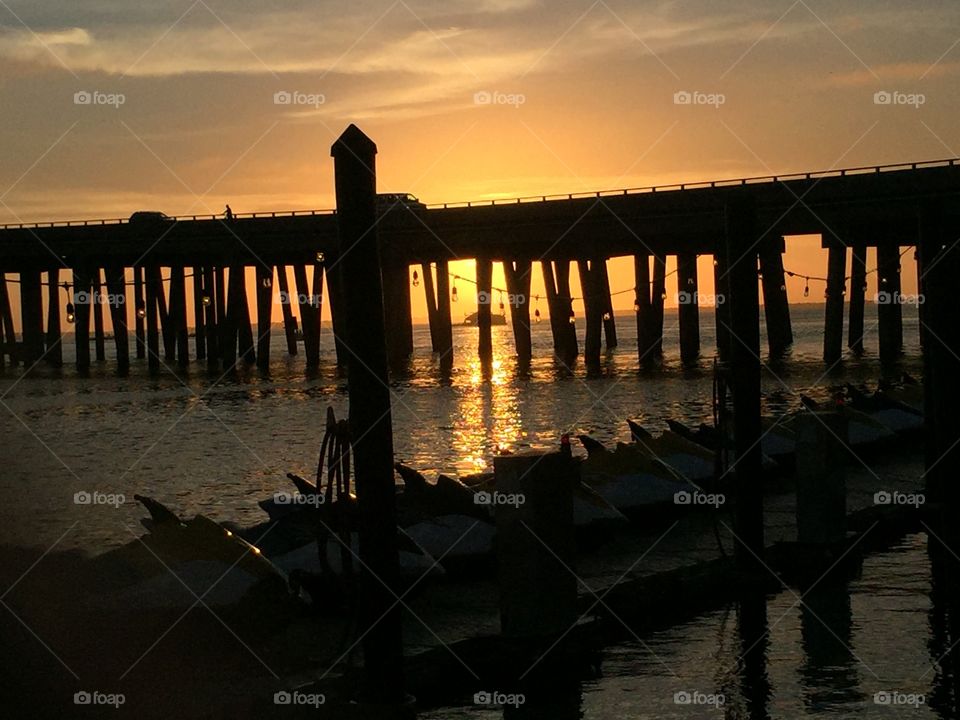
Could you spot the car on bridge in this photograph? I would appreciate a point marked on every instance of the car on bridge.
(395, 201)
(149, 216)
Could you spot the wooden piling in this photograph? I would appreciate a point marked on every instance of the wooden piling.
(308, 322)
(776, 305)
(821, 453)
(99, 340)
(54, 354)
(318, 273)
(556, 277)
(199, 320)
(370, 417)
(82, 291)
(593, 302)
(444, 321)
(517, 274)
(211, 319)
(167, 329)
(858, 288)
(154, 287)
(285, 300)
(688, 301)
(396, 303)
(889, 307)
(833, 316)
(264, 312)
(641, 303)
(226, 332)
(139, 304)
(721, 312)
(609, 322)
(178, 314)
(31, 315)
(117, 291)
(742, 263)
(430, 295)
(246, 349)
(658, 292)
(339, 310)
(9, 339)
(484, 299)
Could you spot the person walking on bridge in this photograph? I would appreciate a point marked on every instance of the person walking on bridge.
(228, 214)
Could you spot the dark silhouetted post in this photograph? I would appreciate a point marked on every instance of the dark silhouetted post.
(593, 304)
(54, 333)
(517, 274)
(139, 305)
(396, 304)
(609, 322)
(228, 338)
(484, 303)
(745, 371)
(289, 324)
(99, 340)
(443, 317)
(307, 320)
(889, 309)
(154, 287)
(6, 315)
(31, 315)
(688, 301)
(858, 287)
(211, 318)
(117, 291)
(833, 316)
(641, 303)
(338, 307)
(721, 313)
(166, 321)
(776, 307)
(178, 313)
(370, 418)
(264, 312)
(82, 301)
(199, 319)
(243, 323)
(658, 294)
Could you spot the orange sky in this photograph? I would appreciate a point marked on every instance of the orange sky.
(584, 99)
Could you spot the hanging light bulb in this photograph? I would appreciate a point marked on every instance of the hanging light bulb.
(536, 315)
(783, 287)
(141, 309)
(663, 295)
(320, 257)
(636, 306)
(267, 282)
(71, 313)
(806, 287)
(501, 303)
(606, 316)
(453, 292)
(205, 300)
(573, 317)
(416, 279)
(715, 262)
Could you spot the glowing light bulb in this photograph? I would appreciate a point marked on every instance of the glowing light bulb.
(636, 306)
(205, 300)
(268, 282)
(416, 279)
(320, 257)
(71, 314)
(536, 315)
(606, 316)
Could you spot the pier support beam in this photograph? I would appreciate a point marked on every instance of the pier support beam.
(226, 337)
(649, 305)
(396, 305)
(9, 339)
(591, 284)
(443, 317)
(743, 298)
(82, 290)
(166, 321)
(211, 319)
(289, 320)
(139, 306)
(556, 277)
(517, 274)
(889, 307)
(688, 299)
(264, 311)
(228, 340)
(858, 288)
(309, 306)
(244, 326)
(430, 295)
(31, 315)
(609, 322)
(117, 291)
(776, 306)
(484, 305)
(339, 313)
(721, 313)
(833, 316)
(641, 303)
(154, 288)
(370, 419)
(199, 321)
(54, 332)
(99, 340)
(178, 314)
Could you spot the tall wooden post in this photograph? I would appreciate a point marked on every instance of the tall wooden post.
(396, 295)
(889, 307)
(154, 283)
(721, 313)
(31, 315)
(443, 317)
(688, 302)
(264, 312)
(243, 324)
(370, 419)
(308, 306)
(609, 322)
(9, 339)
(833, 318)
(339, 311)
(318, 273)
(744, 302)
(289, 321)
(641, 304)
(484, 302)
(211, 319)
(228, 338)
(430, 295)
(658, 292)
(199, 321)
(117, 291)
(776, 306)
(82, 291)
(178, 314)
(99, 340)
(517, 274)
(594, 304)
(54, 332)
(858, 287)
(139, 305)
(167, 329)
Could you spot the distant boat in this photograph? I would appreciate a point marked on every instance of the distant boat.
(494, 319)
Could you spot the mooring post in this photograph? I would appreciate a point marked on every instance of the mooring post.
(443, 317)
(776, 305)
(264, 312)
(199, 321)
(154, 283)
(370, 417)
(82, 291)
(641, 304)
(484, 302)
(833, 315)
(858, 288)
(117, 297)
(99, 340)
(593, 309)
(139, 306)
(517, 274)
(658, 294)
(31, 315)
(688, 302)
(211, 318)
(54, 332)
(721, 312)
(535, 544)
(308, 322)
(742, 265)
(889, 308)
(289, 322)
(178, 313)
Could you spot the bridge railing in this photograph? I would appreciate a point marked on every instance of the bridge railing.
(172, 218)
